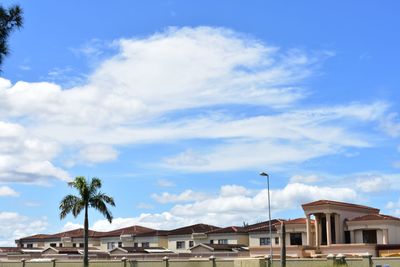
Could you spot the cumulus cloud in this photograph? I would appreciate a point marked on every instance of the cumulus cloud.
(232, 205)
(97, 153)
(186, 196)
(375, 182)
(14, 226)
(6, 191)
(71, 226)
(307, 179)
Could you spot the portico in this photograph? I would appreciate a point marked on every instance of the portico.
(330, 217)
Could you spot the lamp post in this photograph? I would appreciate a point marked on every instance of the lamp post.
(269, 214)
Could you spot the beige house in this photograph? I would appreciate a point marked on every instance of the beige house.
(180, 240)
(328, 227)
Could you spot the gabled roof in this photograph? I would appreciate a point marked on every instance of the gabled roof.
(264, 226)
(74, 233)
(191, 229)
(9, 249)
(131, 230)
(229, 229)
(375, 217)
(338, 203)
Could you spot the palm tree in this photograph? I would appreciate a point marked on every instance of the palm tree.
(89, 197)
(10, 19)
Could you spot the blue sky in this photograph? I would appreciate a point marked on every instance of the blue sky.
(177, 106)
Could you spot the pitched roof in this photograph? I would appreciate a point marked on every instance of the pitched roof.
(229, 229)
(74, 233)
(298, 221)
(142, 249)
(191, 229)
(9, 249)
(131, 230)
(338, 203)
(375, 217)
(264, 226)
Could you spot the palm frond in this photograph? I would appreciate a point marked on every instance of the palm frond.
(68, 204)
(99, 201)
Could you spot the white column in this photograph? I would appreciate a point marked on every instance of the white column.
(338, 230)
(385, 240)
(308, 226)
(317, 231)
(328, 229)
(352, 237)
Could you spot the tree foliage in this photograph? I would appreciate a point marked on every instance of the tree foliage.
(89, 196)
(10, 19)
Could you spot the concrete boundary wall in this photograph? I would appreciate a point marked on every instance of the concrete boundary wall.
(330, 261)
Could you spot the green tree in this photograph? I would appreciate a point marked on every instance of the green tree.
(10, 19)
(89, 197)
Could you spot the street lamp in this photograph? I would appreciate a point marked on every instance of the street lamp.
(269, 213)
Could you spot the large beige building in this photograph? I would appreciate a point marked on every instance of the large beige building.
(328, 227)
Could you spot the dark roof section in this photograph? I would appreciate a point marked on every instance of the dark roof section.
(9, 249)
(74, 233)
(375, 217)
(191, 229)
(229, 229)
(154, 233)
(298, 221)
(337, 203)
(222, 247)
(131, 230)
(262, 225)
(142, 249)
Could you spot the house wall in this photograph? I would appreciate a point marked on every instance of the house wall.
(254, 239)
(234, 239)
(173, 239)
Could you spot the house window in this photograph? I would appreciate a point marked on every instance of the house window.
(276, 240)
(264, 241)
(145, 245)
(135, 245)
(81, 245)
(191, 244)
(296, 239)
(222, 241)
(180, 244)
(211, 241)
(110, 245)
(29, 245)
(120, 244)
(60, 245)
(369, 236)
(74, 245)
(53, 245)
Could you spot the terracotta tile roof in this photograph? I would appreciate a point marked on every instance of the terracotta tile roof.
(74, 233)
(131, 230)
(191, 229)
(297, 221)
(142, 249)
(229, 229)
(375, 217)
(264, 226)
(154, 233)
(337, 203)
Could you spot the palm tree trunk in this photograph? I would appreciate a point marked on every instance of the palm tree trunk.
(86, 239)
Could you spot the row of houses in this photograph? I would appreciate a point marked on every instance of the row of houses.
(328, 227)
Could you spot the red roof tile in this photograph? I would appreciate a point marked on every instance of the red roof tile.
(131, 230)
(337, 203)
(375, 217)
(229, 229)
(191, 229)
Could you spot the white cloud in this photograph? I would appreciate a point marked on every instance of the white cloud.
(233, 205)
(97, 153)
(307, 179)
(14, 226)
(6, 191)
(186, 196)
(71, 226)
(165, 183)
(375, 182)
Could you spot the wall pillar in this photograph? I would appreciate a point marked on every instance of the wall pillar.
(352, 237)
(385, 240)
(328, 229)
(338, 230)
(317, 230)
(308, 226)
